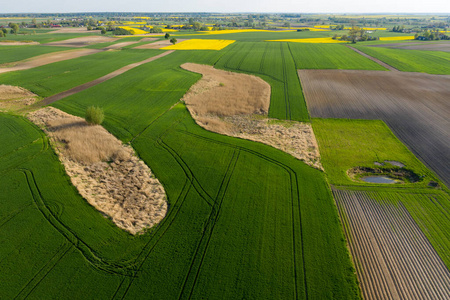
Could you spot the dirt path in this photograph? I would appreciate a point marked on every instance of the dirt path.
(374, 59)
(92, 83)
(49, 58)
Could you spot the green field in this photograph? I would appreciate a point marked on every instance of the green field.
(432, 62)
(57, 77)
(17, 53)
(330, 56)
(43, 38)
(345, 144)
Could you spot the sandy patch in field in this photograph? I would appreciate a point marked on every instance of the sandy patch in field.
(13, 97)
(18, 43)
(236, 104)
(158, 44)
(45, 59)
(82, 41)
(106, 173)
(74, 30)
(119, 45)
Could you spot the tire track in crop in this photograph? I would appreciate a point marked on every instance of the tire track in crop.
(294, 193)
(94, 82)
(124, 268)
(208, 230)
(44, 271)
(406, 265)
(381, 63)
(11, 215)
(127, 282)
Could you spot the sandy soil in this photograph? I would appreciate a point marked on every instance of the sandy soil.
(82, 41)
(74, 30)
(236, 104)
(47, 59)
(119, 45)
(430, 46)
(414, 105)
(18, 43)
(14, 97)
(158, 44)
(106, 173)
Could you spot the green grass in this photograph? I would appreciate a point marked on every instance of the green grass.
(57, 77)
(231, 201)
(274, 63)
(330, 56)
(16, 53)
(432, 62)
(345, 144)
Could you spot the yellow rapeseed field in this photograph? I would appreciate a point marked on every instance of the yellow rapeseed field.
(396, 38)
(196, 44)
(134, 30)
(312, 40)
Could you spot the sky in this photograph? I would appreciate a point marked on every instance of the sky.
(257, 6)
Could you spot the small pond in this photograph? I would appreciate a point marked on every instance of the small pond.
(378, 179)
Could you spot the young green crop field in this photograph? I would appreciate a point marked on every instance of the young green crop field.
(432, 62)
(245, 220)
(17, 53)
(57, 77)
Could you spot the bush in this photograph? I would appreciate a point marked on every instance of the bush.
(94, 115)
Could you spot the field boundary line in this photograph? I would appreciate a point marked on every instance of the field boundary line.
(381, 63)
(97, 81)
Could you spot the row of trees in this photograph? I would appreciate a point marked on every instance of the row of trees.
(431, 35)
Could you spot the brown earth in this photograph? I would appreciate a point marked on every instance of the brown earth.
(106, 173)
(14, 97)
(73, 30)
(236, 104)
(430, 46)
(158, 44)
(45, 59)
(119, 45)
(82, 41)
(15, 43)
(415, 106)
(392, 256)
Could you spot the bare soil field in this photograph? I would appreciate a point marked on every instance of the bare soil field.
(119, 45)
(236, 104)
(430, 46)
(393, 258)
(47, 59)
(158, 44)
(18, 43)
(74, 30)
(415, 106)
(106, 173)
(82, 41)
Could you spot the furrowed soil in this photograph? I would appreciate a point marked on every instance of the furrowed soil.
(48, 59)
(158, 44)
(430, 46)
(393, 257)
(236, 104)
(414, 105)
(106, 173)
(82, 41)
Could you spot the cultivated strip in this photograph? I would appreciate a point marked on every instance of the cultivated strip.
(92, 83)
(381, 63)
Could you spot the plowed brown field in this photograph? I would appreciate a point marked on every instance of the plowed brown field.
(415, 106)
(393, 257)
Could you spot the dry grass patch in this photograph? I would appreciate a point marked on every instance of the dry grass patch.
(236, 104)
(106, 173)
(14, 97)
